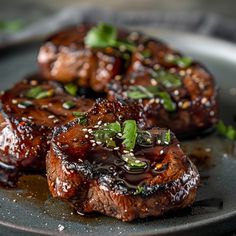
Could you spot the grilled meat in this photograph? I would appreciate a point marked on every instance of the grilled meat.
(29, 112)
(104, 162)
(175, 91)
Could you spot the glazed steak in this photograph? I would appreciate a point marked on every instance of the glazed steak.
(175, 91)
(184, 100)
(29, 112)
(104, 163)
(65, 58)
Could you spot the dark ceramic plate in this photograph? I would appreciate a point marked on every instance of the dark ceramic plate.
(29, 209)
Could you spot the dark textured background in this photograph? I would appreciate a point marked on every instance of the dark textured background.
(211, 17)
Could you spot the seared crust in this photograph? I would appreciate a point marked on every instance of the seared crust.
(25, 131)
(92, 178)
(64, 57)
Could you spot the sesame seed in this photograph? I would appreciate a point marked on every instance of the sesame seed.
(84, 129)
(86, 136)
(125, 151)
(182, 73)
(119, 134)
(151, 100)
(98, 142)
(154, 82)
(156, 66)
(92, 141)
(51, 116)
(172, 70)
(55, 121)
(94, 144)
(212, 113)
(33, 82)
(99, 122)
(176, 92)
(118, 77)
(133, 36)
(189, 71)
(161, 152)
(116, 148)
(14, 101)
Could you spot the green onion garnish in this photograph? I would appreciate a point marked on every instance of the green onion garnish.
(68, 105)
(71, 88)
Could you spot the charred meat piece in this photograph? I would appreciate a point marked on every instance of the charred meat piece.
(64, 57)
(103, 163)
(175, 91)
(183, 100)
(29, 112)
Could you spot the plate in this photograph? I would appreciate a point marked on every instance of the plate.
(30, 210)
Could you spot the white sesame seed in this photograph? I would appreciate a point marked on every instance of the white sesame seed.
(153, 82)
(98, 142)
(161, 152)
(212, 113)
(182, 73)
(151, 100)
(86, 136)
(125, 151)
(92, 141)
(176, 92)
(99, 122)
(60, 227)
(156, 66)
(94, 144)
(116, 148)
(84, 129)
(51, 116)
(14, 101)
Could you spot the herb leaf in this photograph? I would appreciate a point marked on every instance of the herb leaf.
(164, 138)
(180, 61)
(104, 35)
(105, 133)
(11, 26)
(144, 138)
(145, 54)
(227, 131)
(168, 104)
(71, 89)
(82, 117)
(140, 92)
(101, 36)
(38, 92)
(24, 104)
(33, 92)
(68, 105)
(129, 134)
(133, 163)
(139, 190)
(167, 79)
